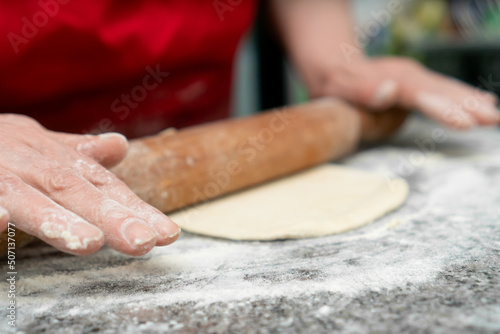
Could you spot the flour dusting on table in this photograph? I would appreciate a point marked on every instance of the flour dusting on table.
(449, 221)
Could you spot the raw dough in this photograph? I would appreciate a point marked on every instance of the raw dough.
(324, 200)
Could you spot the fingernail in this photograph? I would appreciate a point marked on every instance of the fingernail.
(176, 233)
(3, 213)
(137, 233)
(164, 225)
(489, 95)
(385, 94)
(81, 234)
(490, 112)
(113, 135)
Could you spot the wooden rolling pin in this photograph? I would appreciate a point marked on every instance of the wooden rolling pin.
(175, 169)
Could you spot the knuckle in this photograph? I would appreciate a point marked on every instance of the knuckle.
(101, 177)
(111, 212)
(95, 173)
(59, 179)
(19, 119)
(8, 183)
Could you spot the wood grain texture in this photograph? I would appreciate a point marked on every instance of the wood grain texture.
(176, 169)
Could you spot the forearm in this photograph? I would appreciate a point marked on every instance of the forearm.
(320, 38)
(313, 31)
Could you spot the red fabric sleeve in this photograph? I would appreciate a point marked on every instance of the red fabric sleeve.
(113, 65)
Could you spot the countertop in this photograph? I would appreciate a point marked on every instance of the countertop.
(430, 266)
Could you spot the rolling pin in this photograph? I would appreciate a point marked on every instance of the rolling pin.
(175, 169)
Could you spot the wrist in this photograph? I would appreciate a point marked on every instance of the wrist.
(321, 73)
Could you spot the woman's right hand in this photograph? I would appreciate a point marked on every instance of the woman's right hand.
(56, 186)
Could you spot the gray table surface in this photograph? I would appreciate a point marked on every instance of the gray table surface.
(430, 266)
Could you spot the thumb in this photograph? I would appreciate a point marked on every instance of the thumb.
(108, 149)
(363, 84)
(4, 219)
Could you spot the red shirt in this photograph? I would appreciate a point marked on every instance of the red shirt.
(114, 65)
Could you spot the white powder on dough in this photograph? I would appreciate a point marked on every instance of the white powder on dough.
(450, 218)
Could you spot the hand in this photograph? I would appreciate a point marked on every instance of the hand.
(56, 187)
(384, 82)
(320, 39)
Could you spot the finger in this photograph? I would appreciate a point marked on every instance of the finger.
(123, 229)
(479, 104)
(4, 219)
(484, 113)
(488, 96)
(45, 219)
(467, 111)
(107, 149)
(437, 100)
(363, 85)
(442, 98)
(447, 100)
(445, 111)
(113, 187)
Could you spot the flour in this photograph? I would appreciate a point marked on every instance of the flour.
(450, 219)
(73, 242)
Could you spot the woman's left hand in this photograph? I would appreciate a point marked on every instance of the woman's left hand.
(381, 83)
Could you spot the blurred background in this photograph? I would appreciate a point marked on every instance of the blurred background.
(460, 38)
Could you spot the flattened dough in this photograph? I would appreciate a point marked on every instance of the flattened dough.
(325, 200)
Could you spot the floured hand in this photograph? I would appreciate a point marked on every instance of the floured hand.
(56, 187)
(384, 82)
(322, 44)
